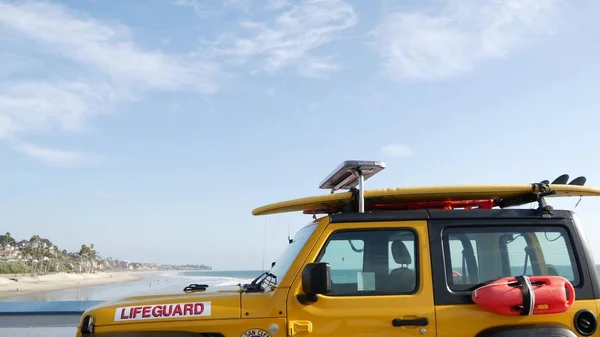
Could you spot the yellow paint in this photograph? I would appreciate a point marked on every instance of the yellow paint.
(300, 327)
(468, 320)
(233, 312)
(228, 327)
(267, 304)
(433, 193)
(224, 305)
(368, 315)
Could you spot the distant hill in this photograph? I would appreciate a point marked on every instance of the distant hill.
(40, 256)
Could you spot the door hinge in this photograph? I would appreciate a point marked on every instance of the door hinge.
(299, 327)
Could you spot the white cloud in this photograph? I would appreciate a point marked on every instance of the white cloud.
(73, 67)
(318, 68)
(199, 8)
(250, 7)
(106, 49)
(292, 39)
(240, 4)
(397, 150)
(461, 34)
(104, 194)
(28, 106)
(54, 157)
(278, 4)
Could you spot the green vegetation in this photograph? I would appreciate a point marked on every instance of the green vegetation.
(13, 267)
(38, 256)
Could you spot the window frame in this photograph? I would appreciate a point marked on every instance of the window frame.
(417, 260)
(281, 274)
(516, 227)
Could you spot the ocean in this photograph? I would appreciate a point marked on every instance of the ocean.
(150, 283)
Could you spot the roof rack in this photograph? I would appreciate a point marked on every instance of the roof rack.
(544, 190)
(351, 173)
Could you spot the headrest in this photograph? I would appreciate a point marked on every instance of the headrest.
(400, 253)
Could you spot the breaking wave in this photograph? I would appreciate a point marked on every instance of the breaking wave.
(214, 278)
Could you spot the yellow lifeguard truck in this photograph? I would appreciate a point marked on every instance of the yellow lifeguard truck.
(447, 261)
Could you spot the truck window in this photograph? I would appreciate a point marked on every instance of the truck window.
(507, 251)
(372, 262)
(460, 274)
(287, 257)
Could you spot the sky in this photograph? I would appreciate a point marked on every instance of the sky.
(153, 128)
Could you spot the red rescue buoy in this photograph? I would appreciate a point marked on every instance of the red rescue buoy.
(526, 295)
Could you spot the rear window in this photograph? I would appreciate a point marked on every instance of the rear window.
(478, 254)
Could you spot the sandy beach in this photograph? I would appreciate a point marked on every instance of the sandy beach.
(24, 285)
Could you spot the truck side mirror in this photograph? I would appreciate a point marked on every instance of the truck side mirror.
(316, 279)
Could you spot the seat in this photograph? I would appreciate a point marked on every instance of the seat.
(402, 279)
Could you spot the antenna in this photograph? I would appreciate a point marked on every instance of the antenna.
(578, 201)
(264, 245)
(351, 173)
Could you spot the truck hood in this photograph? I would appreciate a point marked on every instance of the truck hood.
(216, 304)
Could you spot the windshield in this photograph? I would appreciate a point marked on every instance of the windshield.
(288, 256)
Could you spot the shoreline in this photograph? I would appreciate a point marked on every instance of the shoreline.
(60, 281)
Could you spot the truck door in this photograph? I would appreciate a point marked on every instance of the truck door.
(381, 283)
(487, 249)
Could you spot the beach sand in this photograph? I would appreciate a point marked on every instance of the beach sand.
(58, 281)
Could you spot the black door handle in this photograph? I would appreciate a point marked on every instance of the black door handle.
(410, 322)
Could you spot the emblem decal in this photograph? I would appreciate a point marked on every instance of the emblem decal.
(256, 333)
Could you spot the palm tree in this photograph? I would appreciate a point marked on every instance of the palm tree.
(27, 254)
(83, 255)
(92, 257)
(6, 240)
(42, 256)
(35, 239)
(53, 257)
